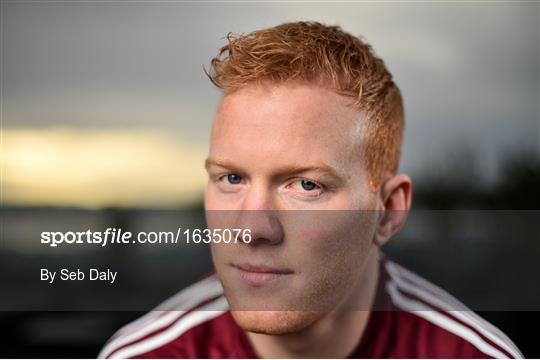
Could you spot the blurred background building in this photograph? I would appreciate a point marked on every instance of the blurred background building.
(105, 120)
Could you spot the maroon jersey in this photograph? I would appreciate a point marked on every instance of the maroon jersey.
(412, 319)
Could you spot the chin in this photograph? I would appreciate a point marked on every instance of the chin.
(275, 322)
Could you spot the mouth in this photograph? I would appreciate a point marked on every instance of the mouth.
(259, 275)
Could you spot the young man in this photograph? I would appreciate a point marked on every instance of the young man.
(310, 121)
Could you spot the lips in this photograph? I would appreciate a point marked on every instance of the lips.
(259, 275)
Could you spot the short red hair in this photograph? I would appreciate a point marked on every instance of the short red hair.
(314, 53)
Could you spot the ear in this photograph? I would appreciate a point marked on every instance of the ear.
(395, 201)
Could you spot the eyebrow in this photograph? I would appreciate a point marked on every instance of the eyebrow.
(290, 169)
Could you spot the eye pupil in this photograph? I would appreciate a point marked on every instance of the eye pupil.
(234, 179)
(308, 185)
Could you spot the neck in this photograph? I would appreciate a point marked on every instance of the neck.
(336, 334)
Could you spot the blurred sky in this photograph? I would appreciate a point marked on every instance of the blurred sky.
(106, 103)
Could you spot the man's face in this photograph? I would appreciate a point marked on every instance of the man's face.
(280, 148)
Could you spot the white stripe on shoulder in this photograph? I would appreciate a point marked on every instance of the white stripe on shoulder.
(205, 313)
(178, 301)
(456, 304)
(434, 295)
(168, 313)
(442, 321)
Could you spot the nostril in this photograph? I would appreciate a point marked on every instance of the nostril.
(261, 241)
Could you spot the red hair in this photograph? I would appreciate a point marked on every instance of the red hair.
(314, 53)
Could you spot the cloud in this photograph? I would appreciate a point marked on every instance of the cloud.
(468, 71)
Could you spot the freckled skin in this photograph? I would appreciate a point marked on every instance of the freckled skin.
(260, 129)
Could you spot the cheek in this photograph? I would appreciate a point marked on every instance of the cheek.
(211, 200)
(219, 256)
(333, 244)
(217, 220)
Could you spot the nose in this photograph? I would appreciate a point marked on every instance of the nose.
(260, 215)
(264, 227)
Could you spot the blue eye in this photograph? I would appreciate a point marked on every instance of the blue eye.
(308, 185)
(234, 179)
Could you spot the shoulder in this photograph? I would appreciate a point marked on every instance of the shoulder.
(442, 325)
(182, 326)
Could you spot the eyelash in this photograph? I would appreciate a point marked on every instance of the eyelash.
(318, 185)
(223, 177)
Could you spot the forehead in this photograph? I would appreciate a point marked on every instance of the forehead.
(289, 122)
